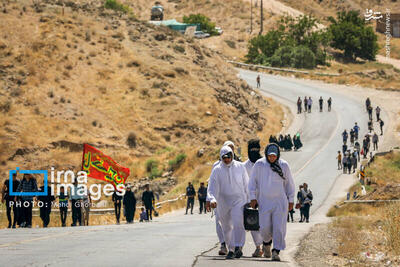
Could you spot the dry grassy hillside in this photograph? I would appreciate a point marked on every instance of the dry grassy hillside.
(133, 90)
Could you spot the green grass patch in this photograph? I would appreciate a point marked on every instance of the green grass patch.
(117, 6)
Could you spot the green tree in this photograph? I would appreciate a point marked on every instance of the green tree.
(206, 24)
(279, 45)
(351, 34)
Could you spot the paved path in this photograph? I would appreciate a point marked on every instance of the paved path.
(179, 240)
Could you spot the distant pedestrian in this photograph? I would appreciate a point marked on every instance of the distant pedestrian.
(299, 203)
(28, 184)
(76, 204)
(45, 205)
(307, 197)
(344, 148)
(9, 201)
(258, 81)
(190, 194)
(367, 103)
(354, 160)
(117, 200)
(305, 102)
(148, 201)
(299, 105)
(202, 195)
(345, 163)
(330, 104)
(339, 159)
(375, 140)
(356, 130)
(63, 206)
(381, 123)
(370, 126)
(129, 202)
(321, 104)
(309, 104)
(370, 109)
(345, 136)
(378, 113)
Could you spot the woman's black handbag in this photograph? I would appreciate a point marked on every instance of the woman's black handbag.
(250, 217)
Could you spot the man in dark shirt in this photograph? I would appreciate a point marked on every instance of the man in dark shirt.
(190, 194)
(28, 184)
(9, 200)
(45, 205)
(117, 205)
(148, 200)
(63, 205)
(202, 194)
(129, 204)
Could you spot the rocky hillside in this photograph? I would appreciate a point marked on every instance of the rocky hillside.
(84, 74)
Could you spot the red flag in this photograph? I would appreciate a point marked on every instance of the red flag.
(102, 167)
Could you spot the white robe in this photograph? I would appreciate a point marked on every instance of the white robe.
(273, 194)
(228, 187)
(218, 227)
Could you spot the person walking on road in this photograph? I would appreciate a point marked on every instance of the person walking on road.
(381, 123)
(370, 109)
(370, 126)
(228, 193)
(129, 202)
(306, 199)
(321, 104)
(345, 136)
(272, 188)
(63, 206)
(356, 130)
(258, 79)
(45, 205)
(367, 103)
(375, 140)
(202, 195)
(190, 194)
(299, 204)
(253, 150)
(299, 105)
(378, 113)
(339, 159)
(352, 137)
(305, 101)
(148, 201)
(9, 201)
(117, 200)
(354, 160)
(330, 104)
(309, 104)
(28, 184)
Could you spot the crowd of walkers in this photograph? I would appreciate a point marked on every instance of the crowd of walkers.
(348, 159)
(19, 208)
(308, 102)
(286, 143)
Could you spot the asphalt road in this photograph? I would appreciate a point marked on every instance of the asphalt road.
(190, 240)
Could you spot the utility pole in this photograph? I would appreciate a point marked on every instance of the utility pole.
(251, 16)
(262, 17)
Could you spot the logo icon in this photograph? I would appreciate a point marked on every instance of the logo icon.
(11, 190)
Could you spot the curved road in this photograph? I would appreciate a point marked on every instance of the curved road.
(179, 240)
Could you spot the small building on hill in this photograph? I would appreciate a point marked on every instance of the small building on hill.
(393, 22)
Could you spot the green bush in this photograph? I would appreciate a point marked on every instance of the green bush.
(152, 168)
(177, 161)
(351, 35)
(115, 5)
(206, 25)
(302, 57)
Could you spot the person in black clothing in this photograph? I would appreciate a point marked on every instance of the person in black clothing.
(299, 199)
(299, 105)
(306, 199)
(367, 103)
(190, 194)
(202, 194)
(305, 104)
(28, 184)
(381, 123)
(329, 104)
(129, 205)
(45, 205)
(321, 104)
(9, 201)
(116, 198)
(370, 109)
(148, 200)
(63, 205)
